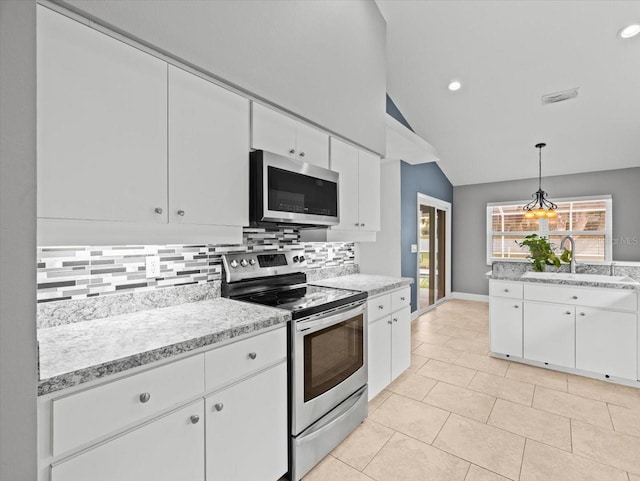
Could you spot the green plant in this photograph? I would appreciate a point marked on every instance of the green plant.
(542, 254)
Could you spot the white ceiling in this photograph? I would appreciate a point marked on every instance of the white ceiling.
(507, 54)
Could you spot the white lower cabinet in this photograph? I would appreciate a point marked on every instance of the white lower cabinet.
(167, 449)
(549, 333)
(589, 330)
(246, 434)
(216, 415)
(389, 338)
(606, 342)
(505, 335)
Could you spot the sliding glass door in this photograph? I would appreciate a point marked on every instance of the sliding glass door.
(433, 251)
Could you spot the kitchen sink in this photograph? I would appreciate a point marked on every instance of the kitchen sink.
(565, 276)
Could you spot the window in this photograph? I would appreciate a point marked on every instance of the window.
(586, 219)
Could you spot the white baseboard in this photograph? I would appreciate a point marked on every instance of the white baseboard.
(469, 297)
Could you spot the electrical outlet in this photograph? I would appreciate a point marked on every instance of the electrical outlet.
(414, 248)
(153, 266)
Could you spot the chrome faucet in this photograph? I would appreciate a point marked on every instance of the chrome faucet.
(572, 243)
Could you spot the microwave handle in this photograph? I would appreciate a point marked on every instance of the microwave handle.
(314, 325)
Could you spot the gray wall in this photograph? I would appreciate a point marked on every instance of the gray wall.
(469, 222)
(325, 61)
(425, 179)
(18, 379)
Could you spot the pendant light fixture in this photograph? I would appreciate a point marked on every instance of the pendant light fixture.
(540, 207)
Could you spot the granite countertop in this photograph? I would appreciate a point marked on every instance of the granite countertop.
(372, 284)
(83, 351)
(517, 276)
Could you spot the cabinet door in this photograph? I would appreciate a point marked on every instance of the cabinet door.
(272, 131)
(102, 125)
(167, 449)
(208, 152)
(400, 341)
(606, 342)
(344, 160)
(312, 145)
(247, 429)
(379, 355)
(549, 333)
(505, 320)
(369, 191)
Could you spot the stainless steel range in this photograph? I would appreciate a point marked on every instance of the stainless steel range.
(327, 349)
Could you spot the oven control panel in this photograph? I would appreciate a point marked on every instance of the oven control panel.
(248, 265)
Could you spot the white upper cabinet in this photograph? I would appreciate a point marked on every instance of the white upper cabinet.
(275, 132)
(359, 187)
(102, 126)
(208, 152)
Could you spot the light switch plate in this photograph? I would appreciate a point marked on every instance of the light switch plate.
(414, 248)
(152, 266)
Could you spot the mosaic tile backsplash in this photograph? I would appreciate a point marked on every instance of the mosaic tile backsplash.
(72, 273)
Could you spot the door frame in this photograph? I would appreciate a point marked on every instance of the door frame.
(445, 206)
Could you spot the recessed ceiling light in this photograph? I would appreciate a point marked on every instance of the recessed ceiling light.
(630, 31)
(455, 85)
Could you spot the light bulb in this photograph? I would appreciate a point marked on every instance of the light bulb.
(551, 214)
(529, 214)
(455, 85)
(540, 212)
(630, 31)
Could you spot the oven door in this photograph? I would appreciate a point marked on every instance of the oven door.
(286, 191)
(329, 361)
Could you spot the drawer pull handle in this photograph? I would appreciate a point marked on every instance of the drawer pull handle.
(582, 314)
(402, 298)
(568, 312)
(181, 213)
(218, 407)
(380, 307)
(389, 322)
(292, 151)
(506, 290)
(194, 419)
(253, 355)
(575, 297)
(395, 320)
(517, 306)
(144, 397)
(158, 210)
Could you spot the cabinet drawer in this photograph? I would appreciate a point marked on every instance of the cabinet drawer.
(400, 298)
(378, 307)
(87, 415)
(619, 299)
(512, 290)
(238, 360)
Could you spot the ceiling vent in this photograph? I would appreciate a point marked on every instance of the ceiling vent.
(559, 96)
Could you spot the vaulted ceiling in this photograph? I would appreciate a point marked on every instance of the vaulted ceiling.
(507, 54)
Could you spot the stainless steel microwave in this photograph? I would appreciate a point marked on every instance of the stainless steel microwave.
(290, 192)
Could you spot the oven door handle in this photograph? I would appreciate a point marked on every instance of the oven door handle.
(313, 325)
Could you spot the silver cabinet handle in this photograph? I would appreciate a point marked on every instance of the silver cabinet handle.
(301, 154)
(362, 225)
(218, 407)
(517, 306)
(395, 320)
(389, 322)
(356, 224)
(144, 397)
(194, 419)
(380, 307)
(253, 355)
(181, 213)
(506, 290)
(158, 210)
(582, 314)
(575, 297)
(292, 151)
(402, 298)
(568, 312)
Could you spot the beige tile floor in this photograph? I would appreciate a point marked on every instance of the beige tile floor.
(459, 415)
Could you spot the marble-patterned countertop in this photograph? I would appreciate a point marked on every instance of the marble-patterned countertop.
(371, 284)
(83, 351)
(519, 276)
